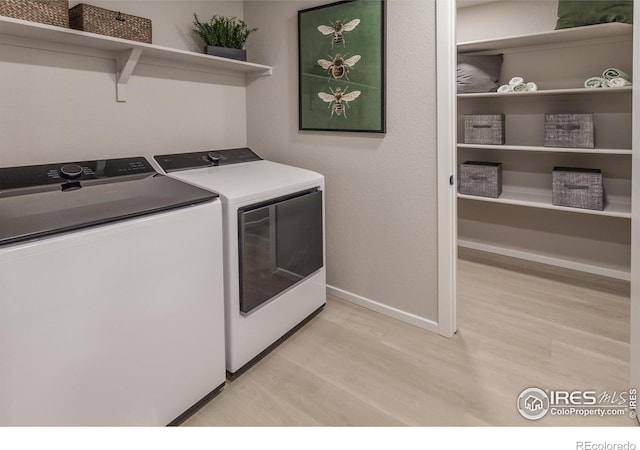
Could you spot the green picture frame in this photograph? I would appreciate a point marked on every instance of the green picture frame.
(341, 76)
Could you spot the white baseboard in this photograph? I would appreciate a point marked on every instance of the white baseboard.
(549, 260)
(390, 311)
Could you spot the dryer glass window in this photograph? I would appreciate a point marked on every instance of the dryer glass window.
(280, 245)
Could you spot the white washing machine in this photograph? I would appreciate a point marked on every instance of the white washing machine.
(111, 295)
(273, 217)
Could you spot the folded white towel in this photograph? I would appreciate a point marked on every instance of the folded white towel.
(612, 72)
(516, 80)
(532, 86)
(596, 82)
(618, 82)
(521, 87)
(504, 88)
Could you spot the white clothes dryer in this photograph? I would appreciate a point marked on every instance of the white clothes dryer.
(274, 240)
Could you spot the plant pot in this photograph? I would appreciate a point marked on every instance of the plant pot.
(224, 52)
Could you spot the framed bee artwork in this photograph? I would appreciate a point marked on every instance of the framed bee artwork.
(341, 54)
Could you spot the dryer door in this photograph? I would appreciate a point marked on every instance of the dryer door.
(280, 245)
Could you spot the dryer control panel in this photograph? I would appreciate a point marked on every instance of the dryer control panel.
(196, 160)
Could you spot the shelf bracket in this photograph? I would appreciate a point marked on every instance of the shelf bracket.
(126, 62)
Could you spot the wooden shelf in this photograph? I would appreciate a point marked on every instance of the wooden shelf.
(550, 92)
(555, 37)
(542, 199)
(126, 53)
(529, 148)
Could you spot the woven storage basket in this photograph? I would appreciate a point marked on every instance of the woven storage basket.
(480, 178)
(578, 188)
(51, 12)
(568, 130)
(110, 23)
(485, 129)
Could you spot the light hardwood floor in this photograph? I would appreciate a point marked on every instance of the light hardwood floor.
(520, 325)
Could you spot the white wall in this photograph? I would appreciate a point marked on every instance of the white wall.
(505, 18)
(60, 107)
(381, 189)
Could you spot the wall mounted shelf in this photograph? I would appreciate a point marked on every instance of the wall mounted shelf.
(126, 53)
(542, 199)
(582, 265)
(554, 37)
(550, 92)
(533, 148)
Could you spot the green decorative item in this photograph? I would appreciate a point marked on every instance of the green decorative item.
(342, 67)
(223, 36)
(578, 13)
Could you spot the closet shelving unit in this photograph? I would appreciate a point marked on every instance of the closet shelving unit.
(126, 54)
(559, 62)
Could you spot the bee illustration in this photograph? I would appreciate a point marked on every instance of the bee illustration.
(339, 67)
(338, 29)
(338, 99)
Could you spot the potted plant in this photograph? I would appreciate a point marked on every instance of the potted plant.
(224, 36)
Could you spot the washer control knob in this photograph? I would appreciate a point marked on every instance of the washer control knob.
(71, 171)
(213, 157)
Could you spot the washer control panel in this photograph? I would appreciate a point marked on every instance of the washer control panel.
(60, 173)
(211, 158)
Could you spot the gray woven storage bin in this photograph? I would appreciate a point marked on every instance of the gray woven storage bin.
(50, 12)
(110, 23)
(487, 129)
(578, 188)
(569, 130)
(480, 178)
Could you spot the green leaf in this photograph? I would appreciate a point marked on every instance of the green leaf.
(222, 31)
